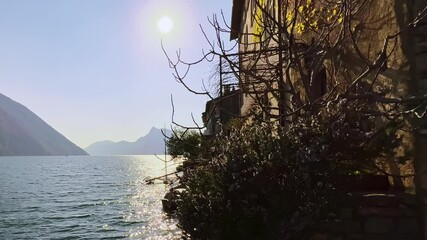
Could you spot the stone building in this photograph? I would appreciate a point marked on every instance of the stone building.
(288, 59)
(220, 110)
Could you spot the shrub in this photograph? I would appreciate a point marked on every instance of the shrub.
(184, 143)
(262, 181)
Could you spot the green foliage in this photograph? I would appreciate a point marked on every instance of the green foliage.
(251, 189)
(184, 143)
(261, 181)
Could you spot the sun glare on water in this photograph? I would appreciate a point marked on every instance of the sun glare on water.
(165, 24)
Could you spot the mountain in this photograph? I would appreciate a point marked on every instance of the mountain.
(23, 133)
(152, 143)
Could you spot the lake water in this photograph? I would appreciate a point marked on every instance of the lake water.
(82, 198)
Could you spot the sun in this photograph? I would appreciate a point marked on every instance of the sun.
(165, 24)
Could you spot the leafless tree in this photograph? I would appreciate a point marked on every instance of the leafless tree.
(293, 59)
(302, 55)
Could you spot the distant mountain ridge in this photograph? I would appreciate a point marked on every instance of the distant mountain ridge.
(152, 143)
(23, 133)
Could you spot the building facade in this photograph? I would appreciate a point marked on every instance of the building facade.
(293, 54)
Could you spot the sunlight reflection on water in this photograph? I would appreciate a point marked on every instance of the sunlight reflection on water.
(82, 197)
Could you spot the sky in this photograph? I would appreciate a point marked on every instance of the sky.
(94, 69)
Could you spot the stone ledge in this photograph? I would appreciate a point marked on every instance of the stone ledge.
(401, 211)
(408, 226)
(378, 225)
(380, 200)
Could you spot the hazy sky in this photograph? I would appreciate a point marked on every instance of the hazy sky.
(94, 69)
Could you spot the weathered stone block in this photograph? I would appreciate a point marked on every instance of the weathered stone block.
(422, 84)
(421, 58)
(367, 237)
(420, 44)
(424, 179)
(324, 236)
(381, 212)
(355, 237)
(346, 213)
(408, 226)
(421, 71)
(345, 226)
(378, 225)
(408, 212)
(350, 226)
(408, 199)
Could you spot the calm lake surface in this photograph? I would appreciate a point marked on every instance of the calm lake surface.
(82, 198)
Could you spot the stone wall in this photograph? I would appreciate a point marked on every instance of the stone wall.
(418, 53)
(378, 216)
